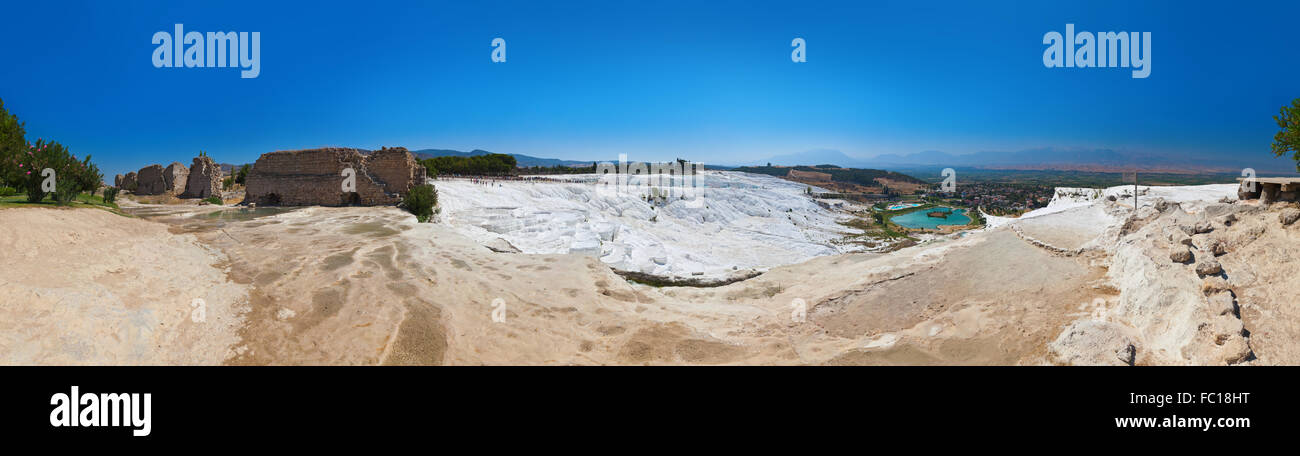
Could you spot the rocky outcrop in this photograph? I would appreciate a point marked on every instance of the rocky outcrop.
(204, 179)
(316, 177)
(1181, 255)
(1095, 343)
(1289, 216)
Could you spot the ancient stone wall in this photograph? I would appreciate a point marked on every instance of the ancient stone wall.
(315, 177)
(396, 168)
(176, 177)
(204, 179)
(149, 181)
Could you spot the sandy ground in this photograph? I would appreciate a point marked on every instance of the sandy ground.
(370, 286)
(85, 286)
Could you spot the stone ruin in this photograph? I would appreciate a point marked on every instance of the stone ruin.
(128, 182)
(315, 177)
(156, 180)
(204, 179)
(1269, 189)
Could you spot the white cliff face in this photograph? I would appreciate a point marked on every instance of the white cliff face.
(738, 221)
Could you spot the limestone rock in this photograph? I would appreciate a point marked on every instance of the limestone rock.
(1095, 343)
(204, 179)
(1202, 227)
(500, 245)
(1289, 216)
(1221, 304)
(1217, 247)
(1181, 255)
(1209, 267)
(1227, 332)
(117, 181)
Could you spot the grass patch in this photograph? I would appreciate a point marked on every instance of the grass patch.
(80, 201)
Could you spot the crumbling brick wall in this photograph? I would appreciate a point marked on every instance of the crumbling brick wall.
(314, 177)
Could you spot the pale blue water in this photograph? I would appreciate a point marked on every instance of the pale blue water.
(918, 219)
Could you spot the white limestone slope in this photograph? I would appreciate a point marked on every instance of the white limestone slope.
(738, 221)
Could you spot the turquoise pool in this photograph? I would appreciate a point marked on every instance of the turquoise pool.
(919, 219)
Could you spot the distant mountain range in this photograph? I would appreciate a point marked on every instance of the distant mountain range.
(1096, 160)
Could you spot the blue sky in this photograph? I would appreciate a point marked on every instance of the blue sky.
(706, 80)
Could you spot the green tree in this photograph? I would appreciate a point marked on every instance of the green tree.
(1288, 139)
(13, 146)
(420, 201)
(242, 174)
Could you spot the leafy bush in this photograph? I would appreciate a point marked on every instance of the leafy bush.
(420, 201)
(1287, 139)
(13, 147)
(8, 191)
(214, 200)
(110, 195)
(22, 164)
(242, 174)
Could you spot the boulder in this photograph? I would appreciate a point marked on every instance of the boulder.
(204, 179)
(1289, 216)
(1181, 255)
(1217, 247)
(117, 181)
(1209, 267)
(1221, 304)
(1095, 343)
